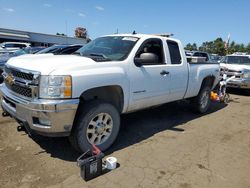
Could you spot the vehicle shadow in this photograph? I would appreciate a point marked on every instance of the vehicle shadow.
(140, 126)
(242, 92)
(135, 127)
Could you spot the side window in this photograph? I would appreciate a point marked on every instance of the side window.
(69, 50)
(197, 54)
(153, 46)
(9, 45)
(19, 45)
(174, 52)
(205, 55)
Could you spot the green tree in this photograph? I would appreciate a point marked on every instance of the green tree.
(248, 48)
(191, 47)
(218, 47)
(61, 34)
(207, 47)
(231, 48)
(188, 47)
(194, 46)
(242, 48)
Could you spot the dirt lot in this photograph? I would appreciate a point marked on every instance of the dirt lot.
(164, 147)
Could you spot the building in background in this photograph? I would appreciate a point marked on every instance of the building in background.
(37, 39)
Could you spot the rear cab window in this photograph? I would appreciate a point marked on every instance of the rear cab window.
(201, 54)
(174, 52)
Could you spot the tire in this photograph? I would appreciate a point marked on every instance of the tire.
(247, 92)
(97, 123)
(1, 78)
(201, 102)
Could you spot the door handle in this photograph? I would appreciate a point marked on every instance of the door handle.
(164, 73)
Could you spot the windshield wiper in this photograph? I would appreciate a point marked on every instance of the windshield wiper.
(76, 53)
(98, 57)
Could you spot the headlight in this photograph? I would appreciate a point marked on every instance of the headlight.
(55, 87)
(246, 75)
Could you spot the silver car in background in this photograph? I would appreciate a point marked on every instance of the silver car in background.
(238, 66)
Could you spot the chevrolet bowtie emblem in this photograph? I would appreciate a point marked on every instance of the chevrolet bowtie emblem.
(10, 79)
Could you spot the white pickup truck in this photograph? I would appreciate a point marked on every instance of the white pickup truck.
(82, 96)
(239, 66)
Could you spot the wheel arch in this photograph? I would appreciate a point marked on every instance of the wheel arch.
(208, 81)
(112, 94)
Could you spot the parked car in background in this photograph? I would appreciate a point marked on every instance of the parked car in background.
(61, 49)
(238, 66)
(6, 56)
(203, 56)
(82, 96)
(8, 47)
(54, 50)
(33, 50)
(215, 57)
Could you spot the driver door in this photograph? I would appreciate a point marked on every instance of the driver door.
(149, 83)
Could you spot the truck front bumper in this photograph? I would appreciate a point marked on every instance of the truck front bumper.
(243, 83)
(45, 117)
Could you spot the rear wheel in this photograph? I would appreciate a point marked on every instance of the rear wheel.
(97, 123)
(201, 102)
(247, 92)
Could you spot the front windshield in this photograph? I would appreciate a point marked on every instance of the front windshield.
(245, 60)
(110, 48)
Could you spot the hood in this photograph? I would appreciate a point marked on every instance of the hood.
(47, 63)
(235, 67)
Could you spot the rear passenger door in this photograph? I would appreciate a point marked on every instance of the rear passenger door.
(178, 69)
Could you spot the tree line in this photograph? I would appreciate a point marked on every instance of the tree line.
(218, 46)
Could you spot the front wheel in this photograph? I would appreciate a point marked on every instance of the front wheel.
(97, 123)
(201, 102)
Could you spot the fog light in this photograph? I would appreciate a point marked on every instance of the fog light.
(44, 122)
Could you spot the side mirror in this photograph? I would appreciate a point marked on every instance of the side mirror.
(146, 59)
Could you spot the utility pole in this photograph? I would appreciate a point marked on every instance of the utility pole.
(66, 27)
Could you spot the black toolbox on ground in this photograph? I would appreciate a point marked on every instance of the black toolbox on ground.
(90, 164)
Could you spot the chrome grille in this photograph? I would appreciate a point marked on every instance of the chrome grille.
(19, 74)
(22, 82)
(24, 91)
(237, 74)
(230, 72)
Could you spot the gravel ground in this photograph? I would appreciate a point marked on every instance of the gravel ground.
(167, 146)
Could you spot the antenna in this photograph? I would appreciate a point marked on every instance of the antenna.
(134, 32)
(116, 31)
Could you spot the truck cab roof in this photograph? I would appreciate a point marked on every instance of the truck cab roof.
(161, 36)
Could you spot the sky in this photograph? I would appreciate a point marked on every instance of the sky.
(193, 21)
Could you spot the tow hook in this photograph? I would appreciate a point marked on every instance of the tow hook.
(5, 114)
(20, 128)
